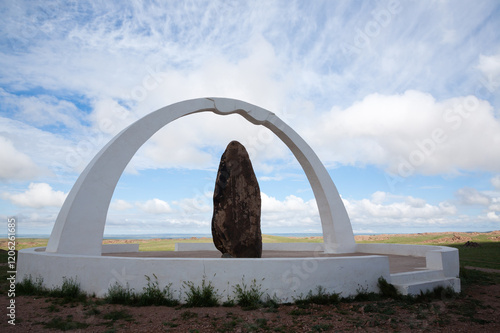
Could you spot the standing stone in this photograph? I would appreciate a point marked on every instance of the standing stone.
(236, 219)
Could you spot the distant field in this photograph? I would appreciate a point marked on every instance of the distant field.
(487, 255)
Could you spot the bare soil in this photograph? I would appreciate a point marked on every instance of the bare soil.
(476, 309)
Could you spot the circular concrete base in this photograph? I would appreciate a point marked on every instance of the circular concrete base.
(283, 277)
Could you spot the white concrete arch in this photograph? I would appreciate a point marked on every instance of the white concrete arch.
(80, 224)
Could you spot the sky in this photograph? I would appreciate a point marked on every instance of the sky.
(399, 99)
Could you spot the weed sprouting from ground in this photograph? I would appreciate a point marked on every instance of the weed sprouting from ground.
(201, 296)
(117, 294)
(248, 296)
(29, 287)
(321, 297)
(69, 291)
(153, 295)
(271, 304)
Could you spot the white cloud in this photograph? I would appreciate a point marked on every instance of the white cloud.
(493, 216)
(495, 203)
(394, 210)
(292, 213)
(120, 205)
(15, 165)
(43, 110)
(52, 153)
(155, 206)
(196, 205)
(38, 195)
(471, 196)
(110, 117)
(409, 134)
(490, 66)
(495, 181)
(291, 203)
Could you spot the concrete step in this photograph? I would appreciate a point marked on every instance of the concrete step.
(414, 288)
(416, 276)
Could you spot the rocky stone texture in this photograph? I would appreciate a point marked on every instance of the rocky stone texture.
(237, 204)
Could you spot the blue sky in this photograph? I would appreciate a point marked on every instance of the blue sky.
(399, 99)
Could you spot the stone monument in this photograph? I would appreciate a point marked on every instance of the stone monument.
(236, 219)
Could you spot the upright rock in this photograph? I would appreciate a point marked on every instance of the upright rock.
(236, 218)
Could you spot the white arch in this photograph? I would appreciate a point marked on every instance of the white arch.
(80, 224)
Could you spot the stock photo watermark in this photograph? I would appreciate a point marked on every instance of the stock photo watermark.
(11, 270)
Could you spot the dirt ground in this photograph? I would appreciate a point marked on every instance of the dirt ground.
(477, 309)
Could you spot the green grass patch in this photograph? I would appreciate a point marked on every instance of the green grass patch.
(486, 255)
(24, 243)
(470, 277)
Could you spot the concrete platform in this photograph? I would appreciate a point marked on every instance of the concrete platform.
(397, 263)
(286, 270)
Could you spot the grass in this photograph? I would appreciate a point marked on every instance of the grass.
(487, 255)
(470, 277)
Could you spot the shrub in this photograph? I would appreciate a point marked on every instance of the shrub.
(387, 289)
